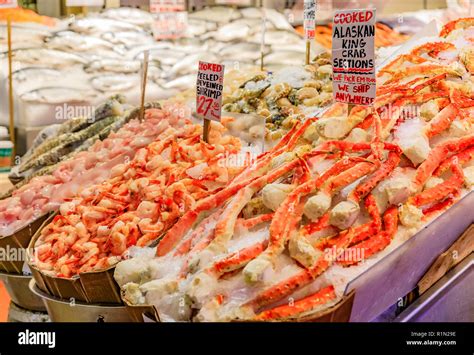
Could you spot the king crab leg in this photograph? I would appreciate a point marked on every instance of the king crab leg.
(306, 304)
(379, 241)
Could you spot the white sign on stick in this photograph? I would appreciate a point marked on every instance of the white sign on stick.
(71, 3)
(309, 22)
(209, 85)
(170, 25)
(353, 56)
(167, 5)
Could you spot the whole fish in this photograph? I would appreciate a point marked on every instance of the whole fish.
(111, 107)
(36, 74)
(95, 26)
(67, 145)
(130, 15)
(216, 14)
(50, 58)
(57, 95)
(114, 82)
(128, 38)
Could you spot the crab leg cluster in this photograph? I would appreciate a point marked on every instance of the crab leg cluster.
(334, 192)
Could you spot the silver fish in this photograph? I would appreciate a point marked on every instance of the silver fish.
(128, 38)
(114, 82)
(113, 65)
(68, 145)
(251, 12)
(181, 83)
(284, 58)
(130, 15)
(230, 32)
(50, 58)
(242, 51)
(35, 73)
(57, 95)
(216, 14)
(80, 44)
(163, 56)
(189, 64)
(199, 27)
(278, 20)
(95, 26)
(276, 37)
(23, 34)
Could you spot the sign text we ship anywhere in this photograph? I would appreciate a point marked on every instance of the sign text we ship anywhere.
(353, 54)
(209, 87)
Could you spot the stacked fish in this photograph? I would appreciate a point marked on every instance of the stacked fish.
(101, 54)
(62, 141)
(139, 202)
(79, 169)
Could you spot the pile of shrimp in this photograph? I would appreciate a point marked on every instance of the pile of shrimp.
(139, 202)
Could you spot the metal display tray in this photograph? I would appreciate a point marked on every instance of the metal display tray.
(450, 299)
(392, 277)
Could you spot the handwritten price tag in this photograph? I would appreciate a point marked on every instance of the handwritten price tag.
(309, 22)
(353, 54)
(209, 87)
(70, 3)
(167, 5)
(5, 4)
(170, 25)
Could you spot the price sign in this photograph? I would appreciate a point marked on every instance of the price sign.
(71, 3)
(309, 22)
(167, 5)
(234, 2)
(170, 25)
(5, 4)
(209, 85)
(353, 57)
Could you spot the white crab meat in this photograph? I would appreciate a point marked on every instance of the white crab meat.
(459, 128)
(358, 135)
(469, 176)
(417, 150)
(132, 270)
(410, 216)
(200, 287)
(311, 133)
(132, 294)
(344, 214)
(398, 190)
(156, 289)
(274, 194)
(282, 159)
(429, 109)
(432, 182)
(317, 205)
(333, 128)
(254, 270)
(302, 251)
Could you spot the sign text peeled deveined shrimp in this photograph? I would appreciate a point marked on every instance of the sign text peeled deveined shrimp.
(209, 87)
(353, 56)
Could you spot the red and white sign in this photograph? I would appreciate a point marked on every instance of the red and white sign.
(309, 22)
(170, 25)
(209, 85)
(353, 57)
(167, 5)
(70, 3)
(5, 4)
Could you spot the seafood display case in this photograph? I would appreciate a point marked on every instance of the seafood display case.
(296, 208)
